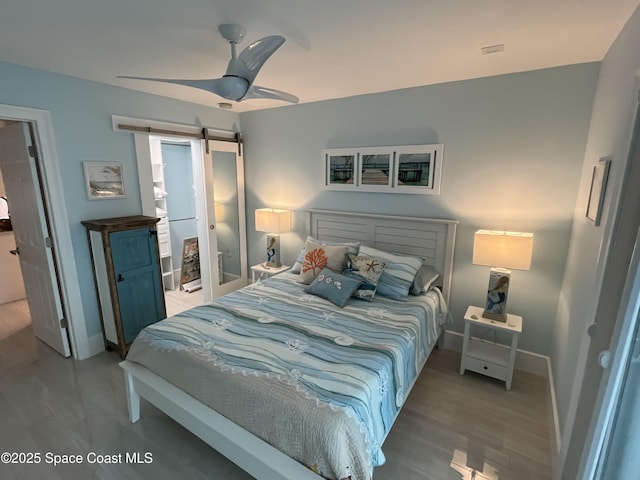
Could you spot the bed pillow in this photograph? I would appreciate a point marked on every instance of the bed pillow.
(320, 256)
(366, 269)
(333, 286)
(398, 274)
(424, 279)
(352, 247)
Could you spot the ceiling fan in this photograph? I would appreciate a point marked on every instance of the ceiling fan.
(237, 82)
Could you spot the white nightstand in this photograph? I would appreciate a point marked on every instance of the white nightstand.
(262, 272)
(491, 359)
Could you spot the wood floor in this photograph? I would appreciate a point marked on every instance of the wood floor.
(452, 427)
(178, 301)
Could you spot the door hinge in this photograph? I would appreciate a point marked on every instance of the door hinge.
(47, 242)
(32, 152)
(63, 322)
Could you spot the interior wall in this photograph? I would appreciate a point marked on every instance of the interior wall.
(513, 153)
(81, 114)
(609, 137)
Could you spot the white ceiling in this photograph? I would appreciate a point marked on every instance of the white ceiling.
(334, 48)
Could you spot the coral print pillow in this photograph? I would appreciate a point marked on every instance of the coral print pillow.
(352, 247)
(318, 257)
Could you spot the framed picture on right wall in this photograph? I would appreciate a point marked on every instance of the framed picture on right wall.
(598, 187)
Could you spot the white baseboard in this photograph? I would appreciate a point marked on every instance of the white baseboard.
(531, 363)
(556, 438)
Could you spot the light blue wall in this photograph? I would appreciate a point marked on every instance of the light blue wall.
(81, 114)
(609, 136)
(514, 147)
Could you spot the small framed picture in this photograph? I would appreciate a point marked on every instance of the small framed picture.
(375, 169)
(419, 169)
(340, 168)
(104, 180)
(597, 191)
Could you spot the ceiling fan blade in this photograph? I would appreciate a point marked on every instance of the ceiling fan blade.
(256, 91)
(202, 84)
(230, 88)
(252, 58)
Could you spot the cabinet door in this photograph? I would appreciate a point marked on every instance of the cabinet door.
(137, 279)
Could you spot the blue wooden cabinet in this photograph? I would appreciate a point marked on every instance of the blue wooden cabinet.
(128, 278)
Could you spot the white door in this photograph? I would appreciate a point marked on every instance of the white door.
(225, 230)
(29, 224)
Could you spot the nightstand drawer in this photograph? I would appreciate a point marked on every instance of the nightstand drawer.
(486, 368)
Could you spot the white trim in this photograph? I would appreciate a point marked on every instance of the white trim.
(60, 231)
(556, 438)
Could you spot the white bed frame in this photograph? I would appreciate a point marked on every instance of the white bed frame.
(432, 239)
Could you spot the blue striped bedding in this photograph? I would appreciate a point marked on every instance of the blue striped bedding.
(349, 369)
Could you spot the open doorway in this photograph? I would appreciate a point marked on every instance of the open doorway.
(172, 164)
(18, 345)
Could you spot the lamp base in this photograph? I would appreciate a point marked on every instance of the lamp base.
(273, 251)
(497, 293)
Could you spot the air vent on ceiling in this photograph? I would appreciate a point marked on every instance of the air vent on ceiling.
(492, 49)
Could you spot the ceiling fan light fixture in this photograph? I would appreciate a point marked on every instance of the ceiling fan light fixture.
(232, 88)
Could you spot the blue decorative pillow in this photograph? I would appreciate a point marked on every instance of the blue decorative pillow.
(399, 272)
(333, 286)
(366, 269)
(352, 247)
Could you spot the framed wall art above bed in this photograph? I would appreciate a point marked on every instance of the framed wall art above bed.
(415, 169)
(272, 351)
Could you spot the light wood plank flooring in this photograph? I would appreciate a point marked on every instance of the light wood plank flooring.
(452, 427)
(178, 301)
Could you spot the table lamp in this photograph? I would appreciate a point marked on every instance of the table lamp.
(274, 222)
(502, 251)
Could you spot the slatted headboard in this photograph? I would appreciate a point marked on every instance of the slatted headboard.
(429, 238)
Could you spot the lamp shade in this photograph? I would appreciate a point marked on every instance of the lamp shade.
(273, 220)
(503, 249)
